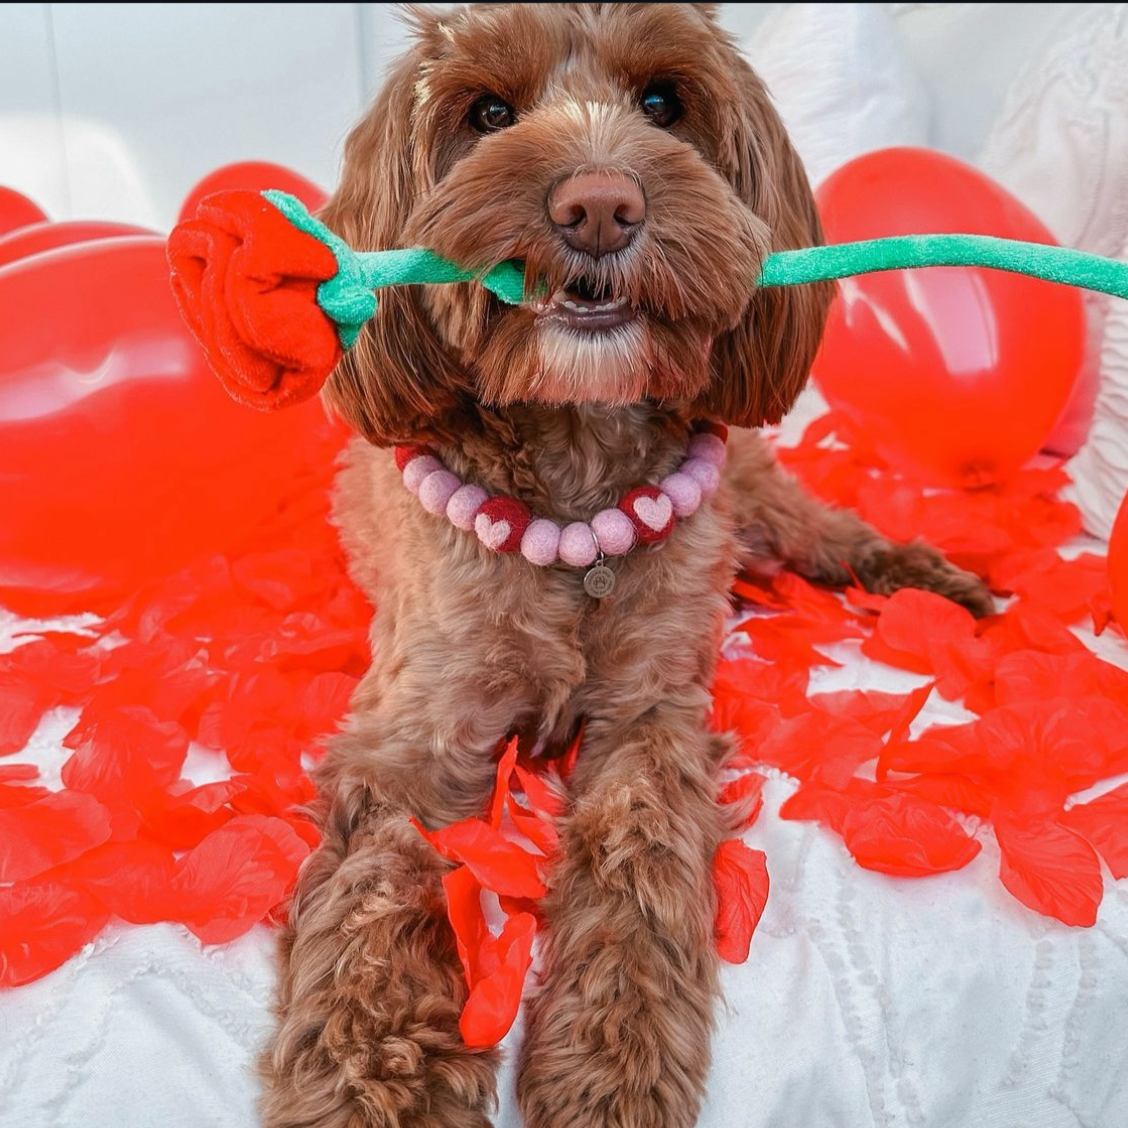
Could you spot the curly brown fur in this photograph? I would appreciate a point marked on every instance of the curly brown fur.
(469, 646)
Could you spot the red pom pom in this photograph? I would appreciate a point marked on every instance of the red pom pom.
(711, 427)
(501, 523)
(651, 512)
(405, 454)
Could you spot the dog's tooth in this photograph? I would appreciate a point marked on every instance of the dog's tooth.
(571, 306)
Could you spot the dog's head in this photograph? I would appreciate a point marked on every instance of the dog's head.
(632, 160)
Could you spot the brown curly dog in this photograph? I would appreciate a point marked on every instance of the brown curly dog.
(629, 156)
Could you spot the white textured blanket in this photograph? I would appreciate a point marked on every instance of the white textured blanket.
(866, 1000)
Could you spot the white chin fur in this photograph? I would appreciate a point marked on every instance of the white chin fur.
(578, 367)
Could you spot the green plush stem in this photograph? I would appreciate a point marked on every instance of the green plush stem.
(902, 252)
(349, 298)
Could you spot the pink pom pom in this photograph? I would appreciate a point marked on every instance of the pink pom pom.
(683, 491)
(418, 469)
(615, 531)
(463, 506)
(707, 447)
(705, 474)
(577, 545)
(540, 542)
(437, 489)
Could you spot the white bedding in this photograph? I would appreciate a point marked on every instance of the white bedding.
(866, 1000)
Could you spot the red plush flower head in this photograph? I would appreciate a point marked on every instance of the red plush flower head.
(246, 281)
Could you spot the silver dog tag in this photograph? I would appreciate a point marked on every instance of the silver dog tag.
(599, 581)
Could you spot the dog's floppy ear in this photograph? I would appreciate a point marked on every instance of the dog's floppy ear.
(760, 366)
(397, 382)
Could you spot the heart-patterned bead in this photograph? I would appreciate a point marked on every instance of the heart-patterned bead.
(651, 512)
(501, 523)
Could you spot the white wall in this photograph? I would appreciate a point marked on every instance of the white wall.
(115, 110)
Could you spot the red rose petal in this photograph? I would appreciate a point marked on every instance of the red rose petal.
(913, 622)
(181, 819)
(910, 709)
(536, 828)
(740, 876)
(56, 829)
(820, 747)
(22, 703)
(43, 924)
(55, 664)
(876, 710)
(500, 865)
(542, 797)
(829, 805)
(789, 640)
(12, 772)
(1049, 868)
(1062, 588)
(495, 998)
(132, 880)
(1033, 675)
(464, 910)
(505, 765)
(12, 791)
(745, 794)
(1103, 823)
(906, 837)
(323, 702)
(235, 876)
(124, 753)
(956, 791)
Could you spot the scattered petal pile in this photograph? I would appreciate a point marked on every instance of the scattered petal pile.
(229, 671)
(1052, 717)
(199, 706)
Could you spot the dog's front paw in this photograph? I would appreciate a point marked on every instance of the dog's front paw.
(370, 995)
(918, 565)
(600, 1053)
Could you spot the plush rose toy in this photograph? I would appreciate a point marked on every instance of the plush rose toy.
(274, 297)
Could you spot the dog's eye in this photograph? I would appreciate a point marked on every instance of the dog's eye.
(661, 104)
(491, 113)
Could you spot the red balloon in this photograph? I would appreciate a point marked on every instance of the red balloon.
(121, 457)
(27, 241)
(255, 176)
(16, 210)
(956, 373)
(1118, 566)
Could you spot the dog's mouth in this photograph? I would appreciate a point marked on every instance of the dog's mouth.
(584, 306)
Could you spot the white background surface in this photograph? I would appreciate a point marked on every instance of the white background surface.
(115, 110)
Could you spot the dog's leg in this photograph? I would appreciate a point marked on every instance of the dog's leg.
(371, 988)
(617, 1035)
(778, 521)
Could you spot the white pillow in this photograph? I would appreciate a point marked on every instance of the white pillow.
(1061, 145)
(841, 81)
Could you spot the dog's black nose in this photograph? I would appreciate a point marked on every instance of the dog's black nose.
(597, 213)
